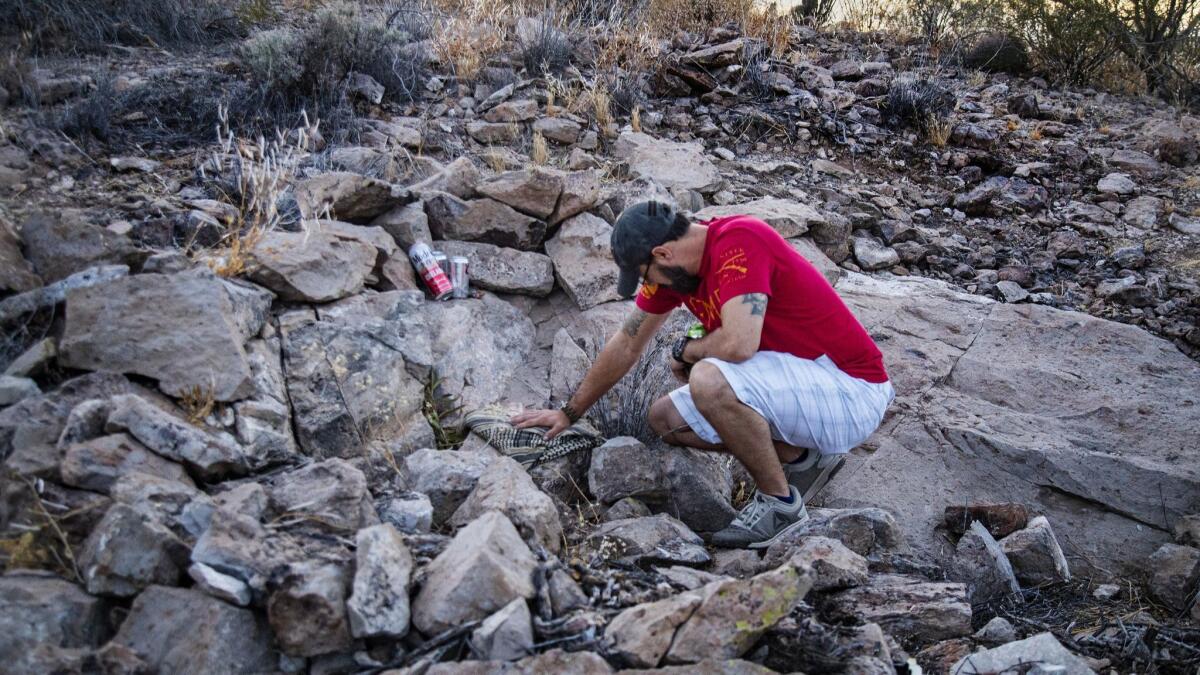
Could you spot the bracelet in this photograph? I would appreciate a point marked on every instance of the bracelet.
(569, 412)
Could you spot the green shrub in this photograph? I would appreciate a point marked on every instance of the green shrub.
(1066, 46)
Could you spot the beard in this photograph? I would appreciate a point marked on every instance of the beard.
(680, 280)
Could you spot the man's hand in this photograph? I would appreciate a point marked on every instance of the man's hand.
(678, 369)
(556, 420)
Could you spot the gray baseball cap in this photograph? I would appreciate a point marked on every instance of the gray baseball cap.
(637, 231)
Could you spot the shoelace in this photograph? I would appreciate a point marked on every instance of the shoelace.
(754, 511)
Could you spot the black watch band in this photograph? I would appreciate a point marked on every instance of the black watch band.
(678, 350)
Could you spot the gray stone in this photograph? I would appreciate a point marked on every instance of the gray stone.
(333, 492)
(1106, 592)
(34, 359)
(1178, 222)
(208, 455)
(64, 243)
(1041, 650)
(355, 375)
(565, 593)
(128, 552)
(628, 507)
(619, 469)
(1174, 574)
(980, 563)
(641, 635)
(1142, 212)
(863, 531)
(493, 133)
(558, 129)
(568, 365)
(311, 266)
(735, 562)
(1011, 291)
(1171, 142)
(307, 608)
(378, 605)
(409, 512)
(240, 547)
(1035, 555)
(997, 631)
(504, 270)
(407, 224)
(815, 256)
(459, 178)
(263, 424)
(583, 263)
(658, 539)
(15, 389)
(1187, 530)
(906, 607)
(504, 486)
(1117, 184)
(670, 164)
(833, 565)
(184, 330)
(52, 294)
(484, 220)
(512, 111)
(97, 463)
(447, 477)
(41, 611)
(1134, 161)
(733, 614)
(533, 192)
(789, 218)
(581, 191)
(16, 273)
(220, 586)
(485, 567)
(872, 255)
(177, 630)
(347, 196)
(506, 635)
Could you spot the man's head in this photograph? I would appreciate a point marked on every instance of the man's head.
(648, 242)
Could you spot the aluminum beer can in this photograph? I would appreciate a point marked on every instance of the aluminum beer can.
(433, 276)
(696, 331)
(459, 277)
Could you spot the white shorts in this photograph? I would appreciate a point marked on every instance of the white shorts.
(807, 403)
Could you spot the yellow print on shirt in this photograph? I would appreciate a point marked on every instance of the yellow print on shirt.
(708, 311)
(734, 265)
(648, 290)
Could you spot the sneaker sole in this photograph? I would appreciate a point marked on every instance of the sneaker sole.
(779, 535)
(822, 480)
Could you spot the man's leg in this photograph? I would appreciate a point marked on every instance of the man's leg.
(670, 426)
(746, 434)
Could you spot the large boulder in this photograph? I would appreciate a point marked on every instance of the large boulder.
(533, 192)
(207, 455)
(347, 196)
(187, 331)
(734, 613)
(583, 260)
(355, 373)
(63, 243)
(307, 608)
(1058, 392)
(504, 270)
(1042, 651)
(447, 477)
(789, 218)
(673, 165)
(333, 492)
(980, 563)
(311, 266)
(128, 552)
(504, 486)
(484, 220)
(378, 604)
(177, 630)
(97, 463)
(484, 568)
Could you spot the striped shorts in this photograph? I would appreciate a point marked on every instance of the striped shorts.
(807, 403)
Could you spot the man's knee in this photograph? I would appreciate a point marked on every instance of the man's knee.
(709, 386)
(663, 417)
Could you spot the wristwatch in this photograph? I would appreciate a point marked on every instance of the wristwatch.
(677, 351)
(569, 411)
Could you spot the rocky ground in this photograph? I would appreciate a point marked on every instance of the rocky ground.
(228, 414)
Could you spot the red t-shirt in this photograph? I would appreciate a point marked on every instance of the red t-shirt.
(805, 316)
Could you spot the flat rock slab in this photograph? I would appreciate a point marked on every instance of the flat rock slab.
(670, 164)
(504, 270)
(1040, 650)
(186, 331)
(789, 218)
(583, 261)
(906, 607)
(311, 267)
(1030, 404)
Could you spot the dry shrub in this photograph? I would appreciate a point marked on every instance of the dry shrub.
(938, 131)
(770, 26)
(90, 25)
(540, 154)
(470, 32)
(635, 119)
(917, 101)
(665, 17)
(197, 403)
(601, 104)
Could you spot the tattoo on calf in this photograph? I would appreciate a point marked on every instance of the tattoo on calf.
(634, 323)
(757, 302)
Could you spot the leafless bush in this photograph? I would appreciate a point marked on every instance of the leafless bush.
(89, 25)
(997, 53)
(1066, 46)
(547, 48)
(918, 101)
(813, 12)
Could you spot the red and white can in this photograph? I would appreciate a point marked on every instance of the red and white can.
(426, 266)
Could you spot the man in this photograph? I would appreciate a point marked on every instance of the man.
(786, 379)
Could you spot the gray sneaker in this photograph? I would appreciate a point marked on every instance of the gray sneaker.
(812, 474)
(761, 522)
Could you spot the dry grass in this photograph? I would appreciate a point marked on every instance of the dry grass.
(978, 79)
(1036, 133)
(768, 25)
(635, 119)
(540, 154)
(43, 544)
(197, 403)
(1191, 182)
(472, 33)
(938, 131)
(495, 160)
(601, 104)
(1013, 125)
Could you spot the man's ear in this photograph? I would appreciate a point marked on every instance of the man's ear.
(662, 253)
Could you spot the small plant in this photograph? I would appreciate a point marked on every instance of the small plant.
(547, 48)
(915, 101)
(635, 119)
(197, 404)
(495, 160)
(1012, 125)
(438, 409)
(601, 105)
(540, 154)
(938, 131)
(1036, 133)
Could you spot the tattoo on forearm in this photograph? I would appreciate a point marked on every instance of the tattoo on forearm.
(757, 302)
(634, 323)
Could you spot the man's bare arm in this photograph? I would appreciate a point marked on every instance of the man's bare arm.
(739, 335)
(618, 356)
